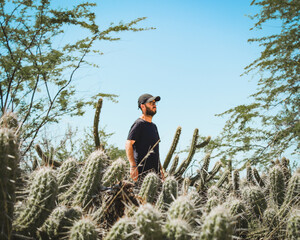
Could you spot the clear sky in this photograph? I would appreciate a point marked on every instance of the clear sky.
(193, 60)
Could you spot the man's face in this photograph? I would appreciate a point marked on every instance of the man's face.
(150, 108)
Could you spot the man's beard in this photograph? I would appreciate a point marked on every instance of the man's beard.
(150, 112)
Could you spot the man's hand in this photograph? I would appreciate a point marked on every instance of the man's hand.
(134, 174)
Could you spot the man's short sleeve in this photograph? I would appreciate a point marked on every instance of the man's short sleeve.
(134, 132)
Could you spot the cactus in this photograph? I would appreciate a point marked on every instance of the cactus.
(149, 222)
(236, 182)
(174, 165)
(173, 147)
(214, 191)
(121, 230)
(250, 178)
(211, 203)
(9, 120)
(217, 225)
(9, 158)
(223, 178)
(185, 186)
(177, 229)
(149, 187)
(293, 225)
(168, 193)
(255, 199)
(285, 164)
(214, 171)
(66, 173)
(237, 209)
(57, 224)
(270, 218)
(83, 229)
(41, 201)
(258, 178)
(114, 173)
(181, 169)
(182, 208)
(277, 184)
(292, 196)
(88, 181)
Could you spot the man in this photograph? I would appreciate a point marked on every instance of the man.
(142, 146)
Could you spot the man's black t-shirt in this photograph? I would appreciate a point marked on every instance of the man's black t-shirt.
(146, 136)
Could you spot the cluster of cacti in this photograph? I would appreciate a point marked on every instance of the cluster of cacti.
(94, 200)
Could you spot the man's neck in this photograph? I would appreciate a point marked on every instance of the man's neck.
(147, 118)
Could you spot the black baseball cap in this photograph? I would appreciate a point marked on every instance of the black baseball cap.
(145, 98)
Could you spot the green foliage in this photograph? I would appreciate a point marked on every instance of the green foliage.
(37, 69)
(269, 126)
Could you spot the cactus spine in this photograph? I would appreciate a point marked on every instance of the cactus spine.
(9, 158)
(277, 184)
(217, 225)
(149, 222)
(168, 193)
(173, 147)
(83, 229)
(41, 201)
(114, 173)
(149, 187)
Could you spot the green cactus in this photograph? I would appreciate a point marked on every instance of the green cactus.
(88, 181)
(182, 208)
(185, 186)
(41, 201)
(223, 178)
(9, 159)
(217, 225)
(270, 218)
(214, 191)
(211, 203)
(172, 149)
(250, 178)
(258, 178)
(285, 164)
(292, 196)
(114, 173)
(236, 183)
(66, 173)
(214, 171)
(57, 224)
(181, 169)
(177, 229)
(149, 222)
(84, 229)
(174, 165)
(121, 230)
(168, 193)
(149, 187)
(277, 184)
(255, 199)
(293, 225)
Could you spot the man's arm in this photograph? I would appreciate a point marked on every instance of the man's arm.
(129, 152)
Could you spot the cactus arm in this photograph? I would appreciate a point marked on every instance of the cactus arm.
(174, 165)
(172, 148)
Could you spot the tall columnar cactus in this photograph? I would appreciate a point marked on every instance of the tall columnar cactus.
(185, 185)
(182, 208)
(168, 193)
(293, 225)
(149, 187)
(114, 173)
(173, 147)
(271, 218)
(9, 158)
(177, 229)
(237, 210)
(40, 202)
(277, 184)
(149, 222)
(223, 178)
(84, 229)
(174, 165)
(255, 198)
(258, 178)
(88, 181)
(217, 225)
(121, 230)
(292, 196)
(181, 169)
(236, 182)
(58, 223)
(250, 178)
(285, 164)
(66, 173)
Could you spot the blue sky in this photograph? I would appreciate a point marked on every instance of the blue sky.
(193, 60)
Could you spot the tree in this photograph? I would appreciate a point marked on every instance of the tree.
(37, 69)
(269, 126)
